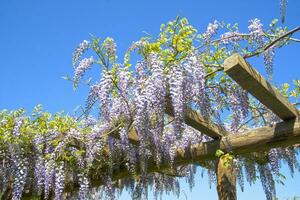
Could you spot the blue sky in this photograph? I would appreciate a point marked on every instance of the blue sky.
(38, 37)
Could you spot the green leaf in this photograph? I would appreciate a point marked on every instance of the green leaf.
(219, 153)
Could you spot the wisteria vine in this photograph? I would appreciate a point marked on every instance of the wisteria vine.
(47, 156)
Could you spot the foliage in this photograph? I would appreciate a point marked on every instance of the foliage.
(49, 155)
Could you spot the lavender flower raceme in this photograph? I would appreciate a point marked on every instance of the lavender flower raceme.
(83, 66)
(283, 5)
(239, 103)
(39, 167)
(124, 139)
(49, 170)
(268, 56)
(231, 37)
(110, 47)
(274, 160)
(267, 181)
(84, 186)
(101, 92)
(177, 90)
(59, 181)
(256, 30)
(82, 47)
(17, 127)
(21, 171)
(194, 70)
(211, 30)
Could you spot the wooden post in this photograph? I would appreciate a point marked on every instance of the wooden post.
(226, 181)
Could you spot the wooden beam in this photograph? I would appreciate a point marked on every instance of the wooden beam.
(261, 139)
(283, 134)
(195, 120)
(247, 77)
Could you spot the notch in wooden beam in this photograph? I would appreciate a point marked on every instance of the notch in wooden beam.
(193, 119)
(249, 79)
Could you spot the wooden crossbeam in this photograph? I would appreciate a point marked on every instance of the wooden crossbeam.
(249, 79)
(283, 134)
(193, 119)
(261, 139)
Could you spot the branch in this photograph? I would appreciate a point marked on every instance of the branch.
(223, 38)
(220, 68)
(257, 52)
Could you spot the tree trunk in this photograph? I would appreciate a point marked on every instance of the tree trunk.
(226, 181)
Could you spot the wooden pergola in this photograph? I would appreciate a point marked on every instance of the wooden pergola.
(283, 134)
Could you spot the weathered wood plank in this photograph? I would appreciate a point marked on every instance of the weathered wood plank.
(193, 119)
(282, 134)
(247, 77)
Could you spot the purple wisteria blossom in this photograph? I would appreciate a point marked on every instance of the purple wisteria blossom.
(84, 186)
(17, 127)
(240, 105)
(110, 48)
(59, 181)
(283, 5)
(256, 30)
(231, 37)
(211, 30)
(83, 66)
(101, 92)
(124, 139)
(21, 171)
(178, 88)
(274, 160)
(95, 143)
(82, 47)
(267, 181)
(268, 56)
(39, 167)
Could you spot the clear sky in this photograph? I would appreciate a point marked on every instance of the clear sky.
(38, 37)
